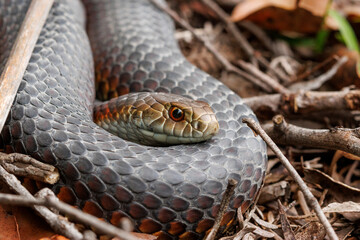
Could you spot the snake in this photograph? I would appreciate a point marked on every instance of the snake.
(121, 47)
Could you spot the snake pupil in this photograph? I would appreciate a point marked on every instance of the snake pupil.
(176, 114)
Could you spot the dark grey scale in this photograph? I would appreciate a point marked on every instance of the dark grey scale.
(51, 117)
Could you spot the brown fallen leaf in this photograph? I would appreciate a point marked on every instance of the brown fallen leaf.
(317, 8)
(350, 210)
(261, 232)
(339, 190)
(285, 225)
(312, 230)
(31, 226)
(245, 8)
(263, 223)
(274, 191)
(347, 74)
(345, 232)
(8, 226)
(304, 16)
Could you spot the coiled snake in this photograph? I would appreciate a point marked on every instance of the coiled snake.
(171, 191)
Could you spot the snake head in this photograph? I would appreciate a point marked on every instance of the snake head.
(159, 119)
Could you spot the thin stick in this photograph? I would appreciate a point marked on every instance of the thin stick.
(260, 35)
(275, 85)
(315, 68)
(243, 43)
(253, 55)
(20, 54)
(320, 80)
(294, 174)
(228, 66)
(223, 206)
(60, 225)
(52, 202)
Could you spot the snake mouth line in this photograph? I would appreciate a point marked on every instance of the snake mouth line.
(161, 138)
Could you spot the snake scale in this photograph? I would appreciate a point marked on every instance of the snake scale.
(172, 192)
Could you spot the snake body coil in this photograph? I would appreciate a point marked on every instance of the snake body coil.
(171, 191)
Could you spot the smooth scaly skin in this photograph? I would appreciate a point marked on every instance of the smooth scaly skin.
(145, 118)
(174, 191)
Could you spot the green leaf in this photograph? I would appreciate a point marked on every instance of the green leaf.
(346, 31)
(297, 41)
(321, 39)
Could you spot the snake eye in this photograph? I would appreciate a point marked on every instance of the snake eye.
(176, 114)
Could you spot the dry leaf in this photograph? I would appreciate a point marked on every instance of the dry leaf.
(344, 233)
(304, 16)
(317, 8)
(285, 225)
(263, 223)
(261, 232)
(346, 75)
(339, 190)
(350, 210)
(313, 230)
(247, 7)
(8, 226)
(31, 226)
(274, 191)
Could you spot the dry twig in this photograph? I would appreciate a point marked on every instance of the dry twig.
(59, 225)
(344, 139)
(223, 206)
(277, 72)
(305, 102)
(307, 194)
(317, 67)
(243, 43)
(320, 80)
(85, 218)
(275, 85)
(20, 54)
(26, 166)
(253, 55)
(228, 66)
(259, 34)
